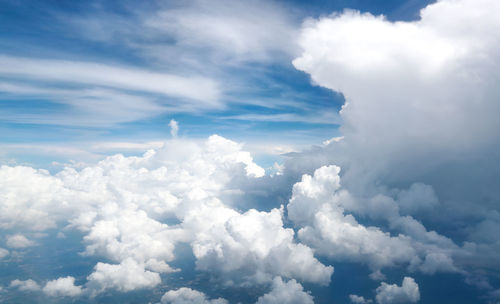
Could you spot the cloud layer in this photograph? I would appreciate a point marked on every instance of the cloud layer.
(408, 191)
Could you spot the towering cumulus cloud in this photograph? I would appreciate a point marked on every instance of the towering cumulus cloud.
(418, 144)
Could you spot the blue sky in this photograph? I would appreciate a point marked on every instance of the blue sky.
(261, 98)
(216, 152)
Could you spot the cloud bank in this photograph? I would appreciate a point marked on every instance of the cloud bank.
(409, 188)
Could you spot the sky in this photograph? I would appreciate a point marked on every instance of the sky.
(214, 152)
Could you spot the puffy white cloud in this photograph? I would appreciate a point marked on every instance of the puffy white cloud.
(359, 299)
(3, 253)
(319, 206)
(31, 199)
(121, 203)
(27, 285)
(418, 123)
(408, 292)
(126, 276)
(188, 296)
(252, 246)
(289, 292)
(124, 233)
(19, 241)
(62, 287)
(409, 88)
(315, 206)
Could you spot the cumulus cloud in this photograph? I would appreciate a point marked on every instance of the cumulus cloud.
(408, 88)
(27, 285)
(126, 276)
(122, 234)
(408, 292)
(319, 207)
(62, 287)
(289, 292)
(121, 205)
(418, 121)
(188, 296)
(359, 299)
(18, 241)
(253, 246)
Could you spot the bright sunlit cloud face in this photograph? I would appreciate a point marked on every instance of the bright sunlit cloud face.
(113, 188)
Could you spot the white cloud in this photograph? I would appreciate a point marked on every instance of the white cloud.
(88, 107)
(319, 207)
(315, 206)
(289, 292)
(409, 86)
(27, 285)
(3, 253)
(252, 246)
(18, 241)
(121, 204)
(203, 90)
(34, 200)
(408, 292)
(122, 234)
(359, 299)
(126, 276)
(421, 99)
(232, 30)
(62, 287)
(188, 296)
(174, 127)
(324, 117)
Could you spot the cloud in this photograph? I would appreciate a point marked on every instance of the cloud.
(408, 89)
(123, 234)
(406, 293)
(330, 118)
(319, 206)
(62, 287)
(203, 90)
(35, 207)
(188, 296)
(289, 292)
(252, 246)
(418, 121)
(18, 241)
(359, 299)
(174, 127)
(3, 253)
(121, 204)
(82, 107)
(227, 30)
(126, 276)
(27, 285)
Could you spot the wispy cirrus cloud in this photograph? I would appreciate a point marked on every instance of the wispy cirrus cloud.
(200, 89)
